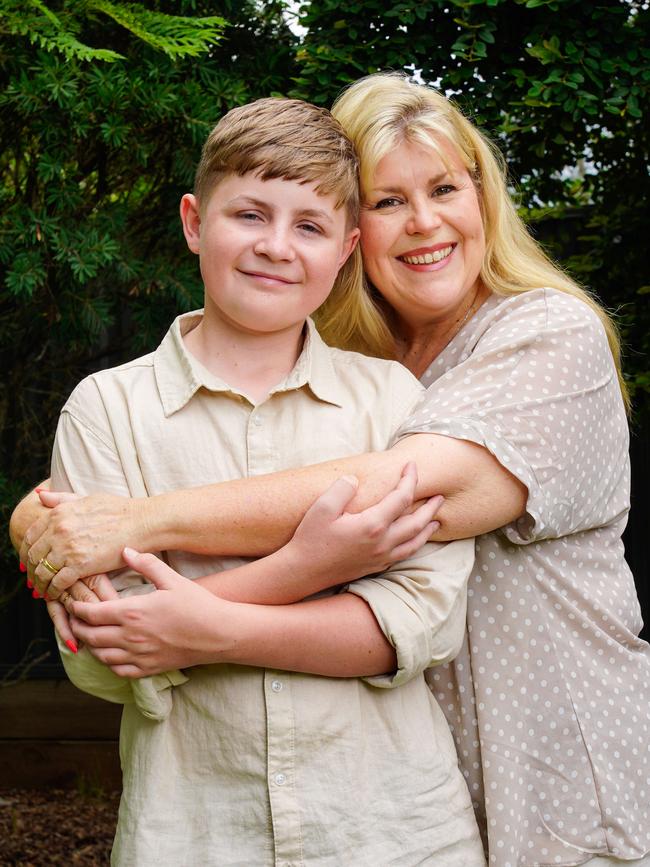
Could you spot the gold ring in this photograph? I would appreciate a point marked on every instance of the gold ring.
(63, 597)
(49, 566)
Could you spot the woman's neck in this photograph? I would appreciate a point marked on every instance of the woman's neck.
(418, 344)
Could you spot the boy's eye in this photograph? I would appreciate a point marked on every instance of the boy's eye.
(310, 228)
(249, 216)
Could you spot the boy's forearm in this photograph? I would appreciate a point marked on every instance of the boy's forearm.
(277, 579)
(335, 636)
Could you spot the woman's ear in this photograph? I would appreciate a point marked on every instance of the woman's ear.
(191, 220)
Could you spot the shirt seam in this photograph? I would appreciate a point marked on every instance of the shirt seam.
(90, 428)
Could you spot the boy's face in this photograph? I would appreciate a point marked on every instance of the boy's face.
(269, 250)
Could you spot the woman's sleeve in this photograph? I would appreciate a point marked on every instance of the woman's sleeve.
(539, 390)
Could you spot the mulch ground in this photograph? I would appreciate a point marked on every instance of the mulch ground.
(56, 826)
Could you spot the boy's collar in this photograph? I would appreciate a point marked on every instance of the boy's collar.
(179, 375)
(315, 369)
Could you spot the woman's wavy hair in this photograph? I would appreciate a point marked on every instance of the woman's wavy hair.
(380, 112)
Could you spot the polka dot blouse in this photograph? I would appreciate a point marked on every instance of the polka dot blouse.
(549, 699)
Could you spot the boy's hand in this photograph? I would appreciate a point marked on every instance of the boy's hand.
(345, 546)
(177, 627)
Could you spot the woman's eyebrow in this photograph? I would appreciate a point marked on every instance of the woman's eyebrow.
(431, 182)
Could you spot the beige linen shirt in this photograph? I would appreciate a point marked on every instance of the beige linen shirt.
(549, 699)
(246, 766)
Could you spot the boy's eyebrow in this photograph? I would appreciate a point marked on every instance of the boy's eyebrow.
(314, 213)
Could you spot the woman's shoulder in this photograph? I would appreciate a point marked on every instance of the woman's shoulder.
(537, 316)
(542, 307)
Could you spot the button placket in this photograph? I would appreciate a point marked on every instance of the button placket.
(285, 815)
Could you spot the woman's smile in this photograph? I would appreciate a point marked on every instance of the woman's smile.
(437, 255)
(422, 234)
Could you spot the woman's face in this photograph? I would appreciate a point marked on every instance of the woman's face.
(422, 234)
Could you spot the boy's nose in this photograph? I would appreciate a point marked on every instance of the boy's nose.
(275, 245)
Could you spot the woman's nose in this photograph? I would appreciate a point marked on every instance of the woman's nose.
(423, 218)
(275, 243)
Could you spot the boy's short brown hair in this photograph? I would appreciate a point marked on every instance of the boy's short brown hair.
(282, 138)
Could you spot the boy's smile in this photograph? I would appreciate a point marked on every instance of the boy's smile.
(269, 252)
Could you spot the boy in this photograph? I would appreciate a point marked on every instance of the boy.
(253, 763)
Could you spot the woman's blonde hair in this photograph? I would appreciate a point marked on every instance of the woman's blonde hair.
(380, 112)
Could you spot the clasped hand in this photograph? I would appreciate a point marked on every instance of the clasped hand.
(178, 626)
(147, 634)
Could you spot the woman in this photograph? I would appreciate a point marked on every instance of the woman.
(548, 699)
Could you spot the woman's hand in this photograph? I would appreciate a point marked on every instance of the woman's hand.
(78, 537)
(95, 588)
(179, 626)
(341, 546)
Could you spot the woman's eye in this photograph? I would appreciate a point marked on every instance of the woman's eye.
(389, 202)
(444, 189)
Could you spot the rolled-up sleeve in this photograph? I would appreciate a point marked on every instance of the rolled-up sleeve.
(421, 605)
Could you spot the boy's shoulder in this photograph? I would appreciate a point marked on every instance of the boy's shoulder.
(379, 385)
(344, 359)
(101, 386)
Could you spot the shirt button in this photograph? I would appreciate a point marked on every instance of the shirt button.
(257, 421)
(276, 686)
(280, 779)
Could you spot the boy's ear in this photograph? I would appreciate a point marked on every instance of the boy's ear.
(191, 220)
(349, 243)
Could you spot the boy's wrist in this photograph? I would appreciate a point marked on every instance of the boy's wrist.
(305, 572)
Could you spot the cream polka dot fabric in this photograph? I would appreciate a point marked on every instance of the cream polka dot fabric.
(549, 699)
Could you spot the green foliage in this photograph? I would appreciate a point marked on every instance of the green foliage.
(94, 158)
(560, 85)
(176, 35)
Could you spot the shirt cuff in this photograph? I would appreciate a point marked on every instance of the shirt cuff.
(421, 607)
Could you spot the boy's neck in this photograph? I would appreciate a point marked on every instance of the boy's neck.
(253, 363)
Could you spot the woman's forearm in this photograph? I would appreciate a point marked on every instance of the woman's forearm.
(257, 515)
(29, 510)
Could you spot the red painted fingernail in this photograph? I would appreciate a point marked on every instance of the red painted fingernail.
(71, 646)
(36, 594)
(22, 567)
(38, 490)
(30, 584)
